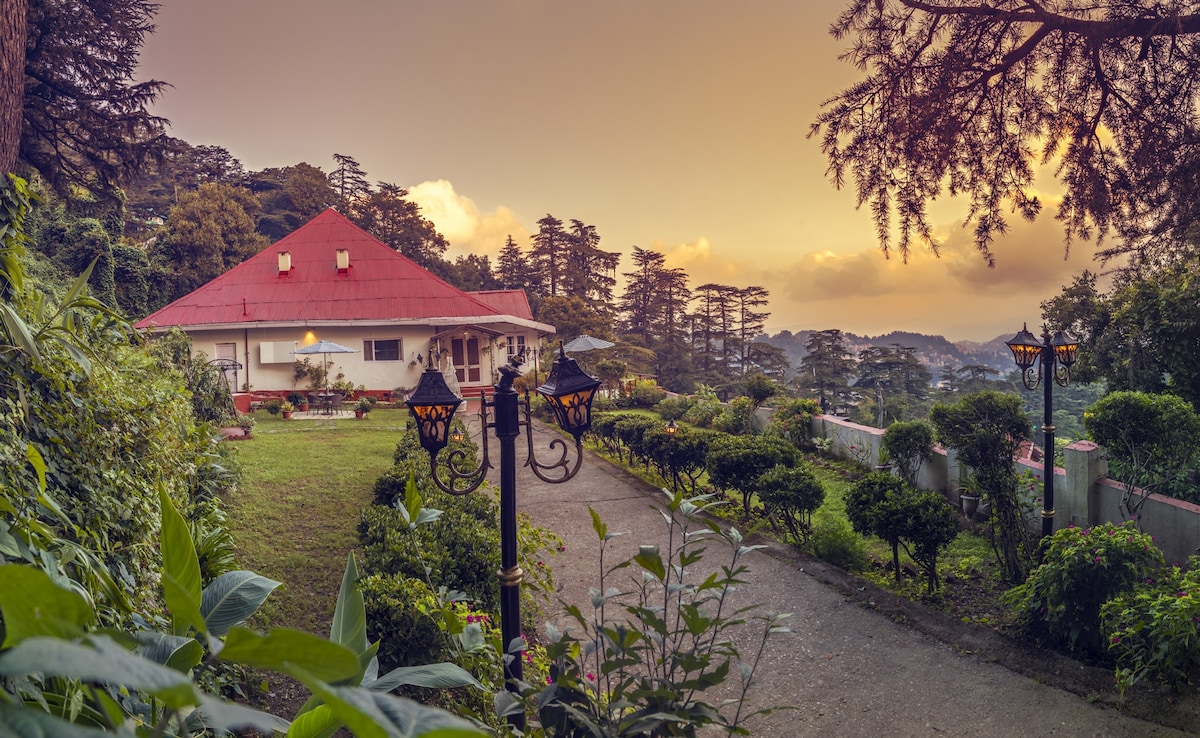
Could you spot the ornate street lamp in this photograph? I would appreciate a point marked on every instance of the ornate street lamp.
(569, 391)
(1053, 358)
(671, 429)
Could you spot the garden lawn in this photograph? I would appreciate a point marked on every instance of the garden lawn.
(295, 517)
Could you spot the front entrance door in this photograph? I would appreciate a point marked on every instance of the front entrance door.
(464, 352)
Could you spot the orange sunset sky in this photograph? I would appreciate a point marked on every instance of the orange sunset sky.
(674, 125)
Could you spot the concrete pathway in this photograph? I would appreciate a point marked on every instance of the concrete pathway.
(847, 670)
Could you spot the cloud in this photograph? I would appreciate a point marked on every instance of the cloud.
(861, 291)
(458, 219)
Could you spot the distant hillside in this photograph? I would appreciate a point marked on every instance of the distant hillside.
(933, 351)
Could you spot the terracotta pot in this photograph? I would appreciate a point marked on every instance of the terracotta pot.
(287, 414)
(359, 414)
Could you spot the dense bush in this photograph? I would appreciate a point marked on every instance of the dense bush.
(834, 540)
(1081, 569)
(1154, 631)
(738, 462)
(645, 393)
(398, 610)
(986, 429)
(737, 418)
(673, 408)
(908, 444)
(705, 408)
(792, 495)
(793, 421)
(922, 522)
(460, 550)
(1150, 440)
(631, 429)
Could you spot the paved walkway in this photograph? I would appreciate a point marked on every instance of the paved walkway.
(847, 669)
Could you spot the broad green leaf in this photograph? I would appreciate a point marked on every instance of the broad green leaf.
(233, 597)
(180, 653)
(34, 457)
(290, 651)
(8, 544)
(649, 558)
(412, 499)
(99, 659)
(224, 717)
(185, 612)
(180, 564)
(33, 605)
(18, 332)
(316, 722)
(598, 524)
(437, 676)
(379, 715)
(18, 721)
(349, 626)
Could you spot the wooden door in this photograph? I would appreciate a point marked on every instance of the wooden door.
(465, 355)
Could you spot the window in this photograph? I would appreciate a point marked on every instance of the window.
(516, 345)
(381, 349)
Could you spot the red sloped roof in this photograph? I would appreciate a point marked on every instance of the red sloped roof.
(380, 284)
(509, 302)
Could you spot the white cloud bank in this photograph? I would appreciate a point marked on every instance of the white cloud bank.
(458, 219)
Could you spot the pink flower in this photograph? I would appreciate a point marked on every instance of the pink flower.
(590, 676)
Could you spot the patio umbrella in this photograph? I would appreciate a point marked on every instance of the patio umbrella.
(587, 343)
(325, 348)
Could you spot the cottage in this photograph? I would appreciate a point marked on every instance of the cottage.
(331, 280)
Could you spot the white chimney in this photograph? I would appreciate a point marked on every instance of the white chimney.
(285, 263)
(343, 261)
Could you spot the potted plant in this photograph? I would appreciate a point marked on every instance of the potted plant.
(287, 409)
(298, 400)
(363, 407)
(274, 406)
(246, 423)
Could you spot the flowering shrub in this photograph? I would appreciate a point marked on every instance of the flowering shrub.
(1154, 631)
(1082, 569)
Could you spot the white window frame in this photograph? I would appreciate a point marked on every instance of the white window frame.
(516, 345)
(371, 354)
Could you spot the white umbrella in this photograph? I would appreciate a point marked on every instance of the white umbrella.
(325, 348)
(587, 343)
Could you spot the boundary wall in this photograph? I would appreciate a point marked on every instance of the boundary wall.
(1083, 494)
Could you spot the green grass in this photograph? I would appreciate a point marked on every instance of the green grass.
(294, 518)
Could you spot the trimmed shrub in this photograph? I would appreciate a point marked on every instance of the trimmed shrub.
(909, 444)
(793, 422)
(397, 608)
(645, 393)
(792, 494)
(737, 462)
(673, 408)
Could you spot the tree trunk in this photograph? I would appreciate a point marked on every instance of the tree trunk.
(13, 15)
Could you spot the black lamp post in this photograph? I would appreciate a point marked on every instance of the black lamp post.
(1053, 357)
(569, 391)
(671, 430)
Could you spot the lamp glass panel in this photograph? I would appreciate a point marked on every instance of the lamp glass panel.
(1065, 349)
(1024, 354)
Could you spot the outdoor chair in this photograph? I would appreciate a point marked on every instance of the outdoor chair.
(336, 403)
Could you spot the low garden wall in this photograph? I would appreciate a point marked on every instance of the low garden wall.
(1083, 494)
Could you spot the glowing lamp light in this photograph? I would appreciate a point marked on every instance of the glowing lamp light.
(309, 338)
(671, 428)
(1065, 347)
(1026, 348)
(432, 405)
(569, 390)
